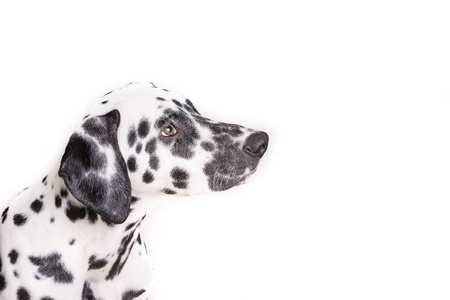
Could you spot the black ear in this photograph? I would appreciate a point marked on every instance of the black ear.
(94, 170)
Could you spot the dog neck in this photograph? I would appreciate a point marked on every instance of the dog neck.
(69, 215)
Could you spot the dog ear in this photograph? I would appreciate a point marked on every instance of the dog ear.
(94, 170)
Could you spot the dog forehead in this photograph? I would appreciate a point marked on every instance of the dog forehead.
(144, 96)
(142, 100)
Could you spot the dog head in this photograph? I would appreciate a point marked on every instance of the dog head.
(143, 140)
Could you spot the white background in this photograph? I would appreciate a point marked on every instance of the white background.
(352, 198)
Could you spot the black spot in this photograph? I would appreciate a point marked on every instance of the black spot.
(132, 164)
(104, 102)
(179, 174)
(189, 102)
(2, 282)
(129, 226)
(148, 177)
(95, 264)
(121, 258)
(130, 295)
(47, 298)
(71, 242)
(132, 137)
(188, 108)
(143, 128)
(134, 199)
(180, 184)
(52, 220)
(44, 181)
(74, 213)
(207, 146)
(51, 266)
(88, 294)
(16, 274)
(154, 162)
(13, 256)
(138, 148)
(19, 219)
(64, 193)
(92, 216)
(160, 99)
(169, 191)
(57, 201)
(5, 215)
(139, 239)
(177, 103)
(22, 294)
(107, 93)
(37, 206)
(150, 147)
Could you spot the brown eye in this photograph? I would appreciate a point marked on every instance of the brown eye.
(170, 130)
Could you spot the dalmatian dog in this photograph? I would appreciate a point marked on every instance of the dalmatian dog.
(76, 234)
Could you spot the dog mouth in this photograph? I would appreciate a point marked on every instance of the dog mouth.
(221, 182)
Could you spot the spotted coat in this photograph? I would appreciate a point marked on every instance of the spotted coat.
(76, 234)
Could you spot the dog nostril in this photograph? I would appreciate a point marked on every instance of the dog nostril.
(256, 144)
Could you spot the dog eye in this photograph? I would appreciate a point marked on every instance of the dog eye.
(170, 130)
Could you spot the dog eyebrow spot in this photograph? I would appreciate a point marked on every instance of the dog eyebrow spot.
(189, 102)
(177, 103)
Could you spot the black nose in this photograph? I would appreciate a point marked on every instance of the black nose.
(256, 144)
